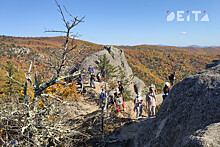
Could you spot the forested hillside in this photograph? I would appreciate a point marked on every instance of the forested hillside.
(152, 64)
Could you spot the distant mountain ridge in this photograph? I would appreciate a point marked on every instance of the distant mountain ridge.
(213, 46)
(200, 46)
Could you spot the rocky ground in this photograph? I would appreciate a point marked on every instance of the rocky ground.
(87, 119)
(188, 117)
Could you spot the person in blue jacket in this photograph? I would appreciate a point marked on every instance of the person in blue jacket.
(91, 70)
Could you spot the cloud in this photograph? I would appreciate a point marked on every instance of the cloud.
(183, 33)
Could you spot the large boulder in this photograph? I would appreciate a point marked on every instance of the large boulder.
(138, 85)
(116, 57)
(189, 116)
(212, 64)
(205, 137)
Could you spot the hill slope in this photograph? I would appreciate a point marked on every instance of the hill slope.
(152, 64)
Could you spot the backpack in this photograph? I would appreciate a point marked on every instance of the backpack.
(121, 88)
(102, 95)
(135, 100)
(118, 101)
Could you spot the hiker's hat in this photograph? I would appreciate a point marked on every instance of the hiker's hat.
(151, 86)
(167, 83)
(110, 96)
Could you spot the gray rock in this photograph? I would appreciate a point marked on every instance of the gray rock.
(210, 136)
(116, 57)
(189, 116)
(22, 50)
(139, 84)
(212, 64)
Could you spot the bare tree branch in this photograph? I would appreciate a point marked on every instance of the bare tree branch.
(68, 76)
(46, 31)
(44, 122)
(27, 79)
(61, 12)
(14, 79)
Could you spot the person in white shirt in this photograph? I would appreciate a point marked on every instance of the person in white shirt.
(151, 102)
(166, 90)
(138, 105)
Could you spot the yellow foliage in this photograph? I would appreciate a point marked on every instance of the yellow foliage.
(68, 92)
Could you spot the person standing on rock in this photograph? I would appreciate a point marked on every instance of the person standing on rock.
(99, 77)
(111, 100)
(92, 80)
(102, 98)
(151, 102)
(118, 101)
(172, 78)
(90, 69)
(80, 81)
(121, 90)
(138, 105)
(166, 90)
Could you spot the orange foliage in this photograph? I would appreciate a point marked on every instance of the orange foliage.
(68, 92)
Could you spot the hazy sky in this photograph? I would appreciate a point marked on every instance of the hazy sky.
(117, 22)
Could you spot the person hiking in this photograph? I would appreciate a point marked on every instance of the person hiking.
(121, 90)
(166, 90)
(151, 102)
(111, 100)
(83, 78)
(138, 105)
(102, 98)
(80, 81)
(118, 101)
(172, 78)
(92, 80)
(98, 77)
(90, 69)
(120, 87)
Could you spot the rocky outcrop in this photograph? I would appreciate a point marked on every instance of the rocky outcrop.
(205, 137)
(117, 58)
(212, 64)
(189, 116)
(138, 84)
(22, 50)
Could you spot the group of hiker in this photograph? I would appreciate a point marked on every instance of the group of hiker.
(117, 99)
(81, 79)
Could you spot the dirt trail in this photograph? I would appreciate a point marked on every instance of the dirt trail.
(87, 117)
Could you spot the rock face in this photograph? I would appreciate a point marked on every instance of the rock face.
(138, 84)
(22, 50)
(212, 64)
(116, 57)
(189, 116)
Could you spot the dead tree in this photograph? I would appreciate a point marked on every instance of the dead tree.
(32, 124)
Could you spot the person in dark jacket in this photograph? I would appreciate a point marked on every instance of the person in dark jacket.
(92, 80)
(172, 78)
(166, 90)
(121, 90)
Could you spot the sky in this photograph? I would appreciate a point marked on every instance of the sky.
(117, 22)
